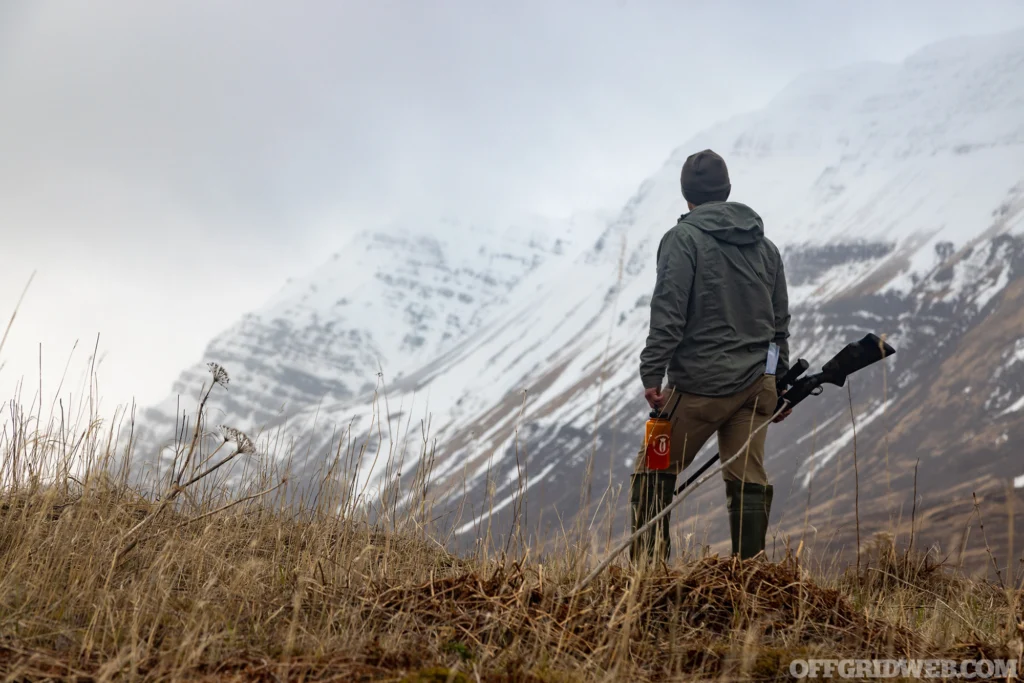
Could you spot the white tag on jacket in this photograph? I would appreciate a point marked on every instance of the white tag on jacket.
(773, 359)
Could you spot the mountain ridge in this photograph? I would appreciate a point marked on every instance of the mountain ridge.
(898, 206)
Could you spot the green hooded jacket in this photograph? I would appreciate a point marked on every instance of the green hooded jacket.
(719, 300)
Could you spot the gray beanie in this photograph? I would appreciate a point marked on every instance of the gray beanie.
(705, 178)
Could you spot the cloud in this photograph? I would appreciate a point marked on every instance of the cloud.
(173, 162)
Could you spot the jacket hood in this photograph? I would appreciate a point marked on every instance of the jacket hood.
(729, 222)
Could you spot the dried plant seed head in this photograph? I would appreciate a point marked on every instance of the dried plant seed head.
(230, 433)
(246, 446)
(242, 441)
(220, 375)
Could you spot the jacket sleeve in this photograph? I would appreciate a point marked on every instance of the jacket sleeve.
(780, 305)
(672, 289)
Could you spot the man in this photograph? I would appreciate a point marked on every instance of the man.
(719, 302)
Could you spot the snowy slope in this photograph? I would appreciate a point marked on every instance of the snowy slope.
(896, 192)
(387, 303)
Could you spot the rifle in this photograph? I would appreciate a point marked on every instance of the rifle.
(794, 387)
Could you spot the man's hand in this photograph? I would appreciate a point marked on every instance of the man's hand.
(785, 413)
(655, 399)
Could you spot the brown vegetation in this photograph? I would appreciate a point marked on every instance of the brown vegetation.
(192, 579)
(258, 592)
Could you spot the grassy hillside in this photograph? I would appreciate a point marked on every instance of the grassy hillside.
(254, 594)
(192, 580)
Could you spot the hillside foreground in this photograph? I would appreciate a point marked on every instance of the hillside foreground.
(201, 581)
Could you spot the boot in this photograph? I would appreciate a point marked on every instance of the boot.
(749, 506)
(649, 494)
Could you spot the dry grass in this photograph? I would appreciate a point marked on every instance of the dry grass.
(195, 580)
(259, 594)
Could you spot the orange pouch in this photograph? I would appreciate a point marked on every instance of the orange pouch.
(657, 437)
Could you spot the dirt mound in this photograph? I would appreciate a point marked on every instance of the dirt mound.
(702, 604)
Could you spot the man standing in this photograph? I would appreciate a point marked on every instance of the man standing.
(719, 302)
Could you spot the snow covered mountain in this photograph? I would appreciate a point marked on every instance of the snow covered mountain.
(387, 303)
(896, 192)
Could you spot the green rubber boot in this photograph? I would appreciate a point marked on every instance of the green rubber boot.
(649, 494)
(749, 507)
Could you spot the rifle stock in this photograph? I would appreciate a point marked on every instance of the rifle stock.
(853, 357)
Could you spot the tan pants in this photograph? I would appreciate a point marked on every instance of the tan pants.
(696, 418)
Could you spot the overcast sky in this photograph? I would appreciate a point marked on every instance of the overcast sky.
(164, 166)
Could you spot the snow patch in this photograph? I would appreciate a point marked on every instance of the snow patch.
(818, 460)
(1013, 407)
(504, 503)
